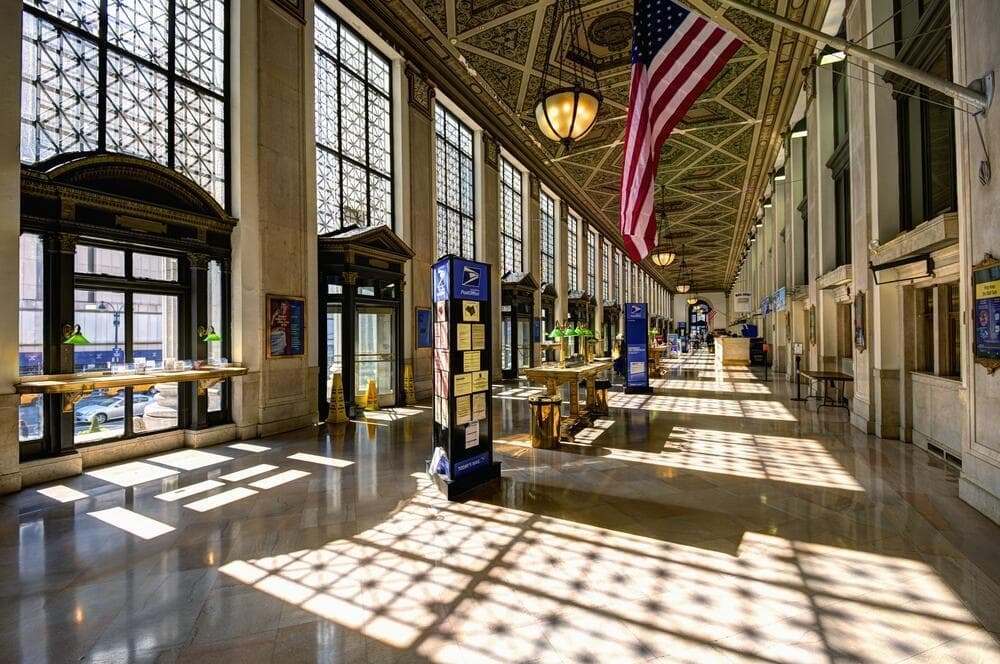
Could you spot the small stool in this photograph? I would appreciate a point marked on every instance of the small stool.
(545, 416)
(601, 388)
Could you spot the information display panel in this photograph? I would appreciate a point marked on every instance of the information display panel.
(463, 357)
(636, 348)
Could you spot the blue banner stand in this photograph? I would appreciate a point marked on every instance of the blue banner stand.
(637, 348)
(462, 457)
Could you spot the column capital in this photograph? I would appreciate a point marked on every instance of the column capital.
(198, 261)
(420, 91)
(491, 150)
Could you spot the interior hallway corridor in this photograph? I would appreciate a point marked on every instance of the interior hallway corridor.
(712, 521)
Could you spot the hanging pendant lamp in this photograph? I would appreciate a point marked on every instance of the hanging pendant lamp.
(663, 254)
(566, 113)
(683, 276)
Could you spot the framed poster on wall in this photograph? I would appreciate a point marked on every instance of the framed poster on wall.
(286, 326)
(859, 320)
(986, 313)
(423, 323)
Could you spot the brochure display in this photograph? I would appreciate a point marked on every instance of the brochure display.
(463, 355)
(636, 348)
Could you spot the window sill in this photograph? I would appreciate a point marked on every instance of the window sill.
(937, 233)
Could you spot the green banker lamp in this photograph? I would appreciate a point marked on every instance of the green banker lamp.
(72, 336)
(208, 335)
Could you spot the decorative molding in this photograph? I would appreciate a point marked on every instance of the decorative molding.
(534, 186)
(350, 278)
(297, 8)
(491, 150)
(420, 91)
(198, 261)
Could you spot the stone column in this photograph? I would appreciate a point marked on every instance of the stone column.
(419, 118)
(975, 24)
(533, 256)
(489, 222)
(274, 246)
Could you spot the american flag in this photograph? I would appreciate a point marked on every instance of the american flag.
(675, 55)
(711, 316)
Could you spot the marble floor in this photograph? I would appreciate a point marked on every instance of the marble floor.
(712, 521)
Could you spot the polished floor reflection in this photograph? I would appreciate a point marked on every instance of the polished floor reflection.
(713, 521)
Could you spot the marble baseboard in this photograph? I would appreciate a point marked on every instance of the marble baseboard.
(123, 450)
(10, 482)
(283, 426)
(921, 440)
(48, 470)
(979, 498)
(211, 436)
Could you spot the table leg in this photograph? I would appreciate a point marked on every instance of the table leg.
(591, 392)
(574, 397)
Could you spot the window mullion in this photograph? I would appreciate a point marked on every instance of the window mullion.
(171, 81)
(102, 95)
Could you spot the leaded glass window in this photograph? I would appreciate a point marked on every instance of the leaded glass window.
(455, 199)
(572, 253)
(511, 217)
(592, 262)
(353, 129)
(548, 237)
(606, 269)
(619, 278)
(139, 77)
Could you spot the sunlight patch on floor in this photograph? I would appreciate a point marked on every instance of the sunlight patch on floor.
(461, 582)
(132, 522)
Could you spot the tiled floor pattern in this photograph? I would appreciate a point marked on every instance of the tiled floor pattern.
(712, 521)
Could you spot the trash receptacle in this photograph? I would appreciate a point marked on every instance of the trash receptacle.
(545, 420)
(601, 388)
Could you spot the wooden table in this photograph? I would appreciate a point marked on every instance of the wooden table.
(555, 376)
(73, 387)
(655, 355)
(830, 378)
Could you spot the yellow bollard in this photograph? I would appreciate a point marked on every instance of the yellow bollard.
(371, 398)
(411, 396)
(338, 410)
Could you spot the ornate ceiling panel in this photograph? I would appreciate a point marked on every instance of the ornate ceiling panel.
(715, 164)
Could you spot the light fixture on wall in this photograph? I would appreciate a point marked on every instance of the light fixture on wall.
(799, 130)
(663, 254)
(566, 113)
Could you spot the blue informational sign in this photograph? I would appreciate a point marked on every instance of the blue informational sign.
(442, 290)
(423, 328)
(472, 463)
(636, 346)
(778, 299)
(470, 281)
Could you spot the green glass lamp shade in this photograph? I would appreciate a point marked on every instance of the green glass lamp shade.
(212, 335)
(587, 332)
(77, 338)
(578, 331)
(556, 333)
(655, 330)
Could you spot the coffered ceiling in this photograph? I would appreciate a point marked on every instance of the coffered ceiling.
(714, 166)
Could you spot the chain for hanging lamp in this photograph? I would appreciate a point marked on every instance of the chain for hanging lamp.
(663, 254)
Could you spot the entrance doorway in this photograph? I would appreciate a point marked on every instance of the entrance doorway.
(361, 277)
(517, 316)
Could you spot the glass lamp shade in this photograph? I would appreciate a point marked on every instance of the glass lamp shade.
(692, 300)
(567, 114)
(683, 288)
(556, 333)
(663, 255)
(212, 335)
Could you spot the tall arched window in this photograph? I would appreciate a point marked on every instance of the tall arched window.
(140, 77)
(456, 224)
(353, 129)
(511, 218)
(547, 208)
